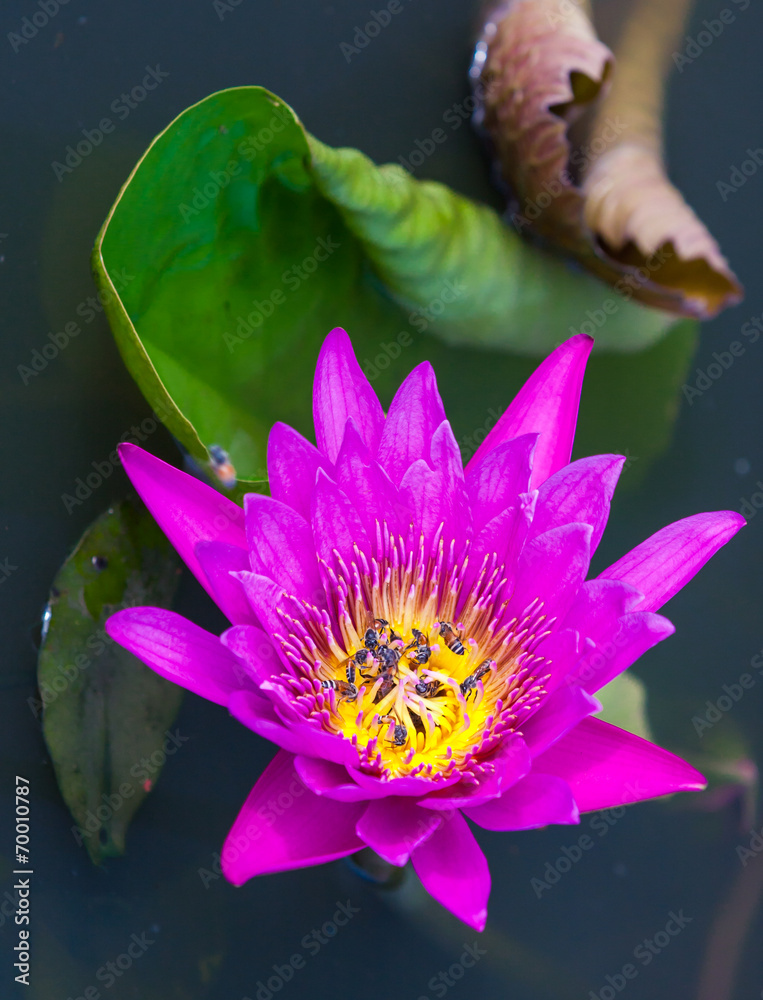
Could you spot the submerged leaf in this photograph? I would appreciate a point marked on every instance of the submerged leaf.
(609, 204)
(246, 240)
(106, 716)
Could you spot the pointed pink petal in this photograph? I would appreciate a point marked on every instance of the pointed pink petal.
(598, 607)
(561, 651)
(255, 650)
(607, 767)
(436, 492)
(547, 404)
(323, 777)
(661, 565)
(500, 477)
(552, 567)
(266, 598)
(308, 831)
(635, 634)
(375, 498)
(394, 827)
(187, 510)
(219, 561)
(556, 716)
(414, 415)
(537, 800)
(500, 542)
(510, 763)
(282, 548)
(342, 391)
(453, 870)
(260, 716)
(582, 492)
(180, 651)
(336, 523)
(293, 464)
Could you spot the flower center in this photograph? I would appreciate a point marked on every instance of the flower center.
(415, 691)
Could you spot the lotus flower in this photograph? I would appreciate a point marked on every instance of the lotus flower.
(419, 639)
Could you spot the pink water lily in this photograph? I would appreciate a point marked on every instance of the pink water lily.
(419, 639)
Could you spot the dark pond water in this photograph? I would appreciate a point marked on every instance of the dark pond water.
(208, 939)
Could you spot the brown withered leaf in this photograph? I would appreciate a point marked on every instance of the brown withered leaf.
(644, 225)
(609, 203)
(541, 66)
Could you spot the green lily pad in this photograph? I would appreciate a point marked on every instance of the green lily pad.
(239, 241)
(624, 705)
(106, 716)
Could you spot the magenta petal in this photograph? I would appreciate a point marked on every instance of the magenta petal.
(500, 543)
(607, 767)
(561, 650)
(293, 464)
(537, 800)
(500, 477)
(342, 391)
(401, 786)
(661, 565)
(552, 568)
(414, 415)
(187, 510)
(453, 870)
(323, 777)
(266, 598)
(582, 492)
(394, 827)
(336, 524)
(556, 716)
(547, 404)
(255, 650)
(309, 831)
(373, 494)
(180, 651)
(219, 562)
(598, 607)
(500, 772)
(260, 716)
(281, 547)
(635, 634)
(437, 493)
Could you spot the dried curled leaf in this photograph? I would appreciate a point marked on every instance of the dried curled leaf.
(542, 65)
(642, 221)
(608, 203)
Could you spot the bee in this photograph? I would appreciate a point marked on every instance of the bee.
(427, 689)
(421, 648)
(400, 734)
(452, 641)
(388, 673)
(373, 634)
(221, 465)
(345, 689)
(356, 660)
(469, 686)
(388, 657)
